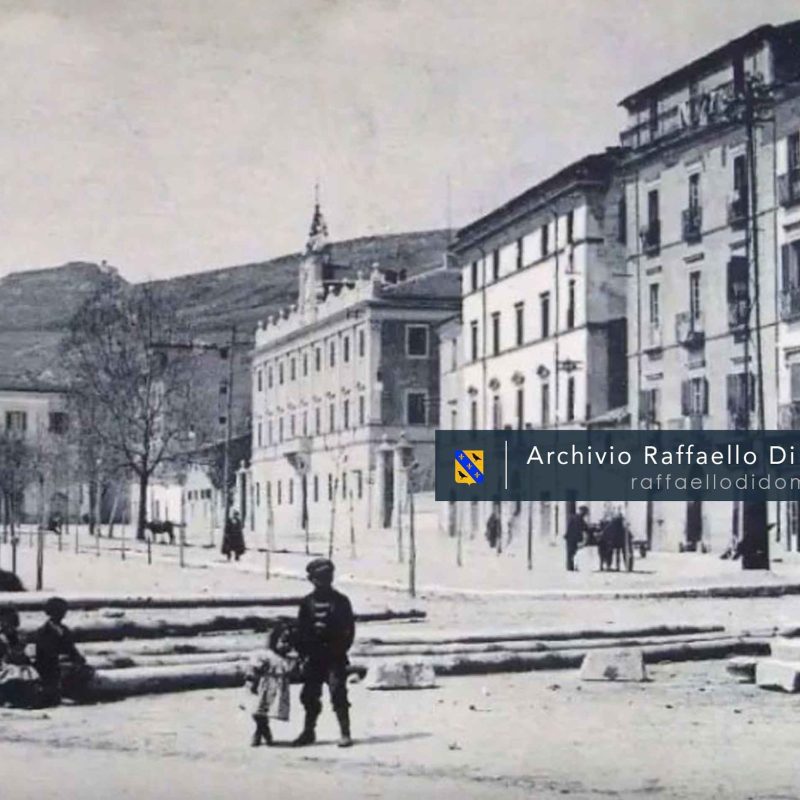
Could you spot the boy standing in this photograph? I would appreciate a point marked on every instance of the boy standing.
(325, 632)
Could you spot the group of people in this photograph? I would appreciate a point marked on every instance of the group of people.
(44, 670)
(311, 650)
(611, 535)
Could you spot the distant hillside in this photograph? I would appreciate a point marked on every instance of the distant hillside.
(36, 306)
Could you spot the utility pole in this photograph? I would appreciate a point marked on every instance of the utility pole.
(226, 463)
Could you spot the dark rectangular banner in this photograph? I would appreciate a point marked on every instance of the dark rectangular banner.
(617, 465)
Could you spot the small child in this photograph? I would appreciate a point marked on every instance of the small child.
(19, 681)
(268, 676)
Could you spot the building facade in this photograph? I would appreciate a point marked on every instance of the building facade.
(339, 381)
(711, 220)
(542, 341)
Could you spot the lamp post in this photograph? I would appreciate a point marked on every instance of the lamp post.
(405, 451)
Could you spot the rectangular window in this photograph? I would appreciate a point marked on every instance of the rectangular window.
(654, 304)
(695, 296)
(570, 399)
(652, 208)
(649, 407)
(362, 409)
(416, 408)
(473, 415)
(519, 251)
(571, 305)
(331, 417)
(741, 395)
(740, 181)
(570, 226)
(330, 486)
(259, 381)
(790, 266)
(653, 118)
(495, 265)
(259, 433)
(269, 377)
(738, 74)
(473, 276)
(362, 344)
(417, 341)
(694, 191)
(292, 371)
(291, 426)
(280, 429)
(317, 420)
(519, 319)
(344, 485)
(544, 312)
(346, 349)
(545, 405)
(305, 365)
(359, 484)
(622, 221)
(738, 291)
(278, 485)
(315, 488)
(520, 408)
(280, 373)
(305, 423)
(473, 338)
(58, 422)
(346, 414)
(793, 152)
(545, 240)
(269, 431)
(495, 333)
(318, 359)
(332, 354)
(694, 397)
(497, 412)
(291, 491)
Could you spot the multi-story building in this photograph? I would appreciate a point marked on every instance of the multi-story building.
(339, 381)
(543, 316)
(711, 316)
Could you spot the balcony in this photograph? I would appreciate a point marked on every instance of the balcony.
(789, 416)
(790, 304)
(689, 330)
(653, 339)
(789, 188)
(692, 224)
(651, 237)
(737, 212)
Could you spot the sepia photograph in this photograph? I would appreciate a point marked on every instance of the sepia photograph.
(399, 398)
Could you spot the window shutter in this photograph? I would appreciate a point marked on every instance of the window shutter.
(733, 385)
(795, 381)
(686, 389)
(705, 396)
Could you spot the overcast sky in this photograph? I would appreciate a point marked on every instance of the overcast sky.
(175, 136)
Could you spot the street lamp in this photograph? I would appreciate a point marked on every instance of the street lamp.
(405, 452)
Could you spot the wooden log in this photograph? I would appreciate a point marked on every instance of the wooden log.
(127, 661)
(118, 683)
(34, 601)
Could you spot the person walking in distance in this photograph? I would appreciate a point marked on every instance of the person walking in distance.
(325, 633)
(233, 538)
(577, 528)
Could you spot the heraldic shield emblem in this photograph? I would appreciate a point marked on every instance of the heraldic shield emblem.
(469, 466)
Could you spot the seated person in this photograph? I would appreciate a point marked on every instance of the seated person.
(19, 682)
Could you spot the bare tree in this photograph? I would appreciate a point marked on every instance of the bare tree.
(133, 386)
(17, 467)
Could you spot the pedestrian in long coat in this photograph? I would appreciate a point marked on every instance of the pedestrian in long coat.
(233, 538)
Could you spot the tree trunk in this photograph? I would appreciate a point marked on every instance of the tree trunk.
(142, 515)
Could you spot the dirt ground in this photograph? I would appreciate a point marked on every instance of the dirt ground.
(692, 732)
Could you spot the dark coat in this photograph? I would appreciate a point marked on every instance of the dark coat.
(54, 642)
(493, 529)
(325, 626)
(576, 530)
(233, 539)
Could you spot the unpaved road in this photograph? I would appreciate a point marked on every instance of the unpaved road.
(690, 733)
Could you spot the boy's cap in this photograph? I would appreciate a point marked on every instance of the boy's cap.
(319, 566)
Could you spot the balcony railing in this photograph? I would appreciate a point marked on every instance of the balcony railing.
(790, 304)
(737, 211)
(689, 330)
(692, 224)
(789, 416)
(789, 188)
(651, 237)
(737, 312)
(654, 338)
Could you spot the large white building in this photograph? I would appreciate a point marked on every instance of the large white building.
(338, 381)
(542, 342)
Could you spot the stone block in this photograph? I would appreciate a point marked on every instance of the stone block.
(614, 664)
(784, 649)
(400, 674)
(774, 674)
(743, 667)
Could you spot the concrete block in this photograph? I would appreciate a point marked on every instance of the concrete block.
(785, 649)
(743, 667)
(774, 674)
(395, 674)
(623, 664)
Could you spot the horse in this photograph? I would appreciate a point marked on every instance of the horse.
(158, 528)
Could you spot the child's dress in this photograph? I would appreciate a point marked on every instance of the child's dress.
(19, 681)
(269, 676)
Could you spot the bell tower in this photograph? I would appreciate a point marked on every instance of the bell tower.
(315, 259)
